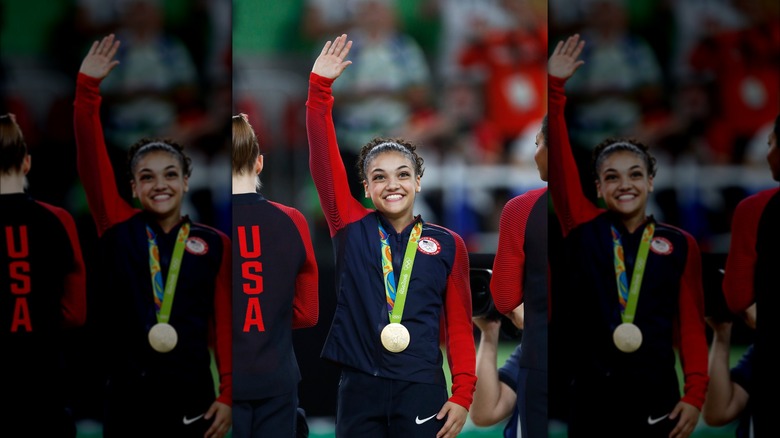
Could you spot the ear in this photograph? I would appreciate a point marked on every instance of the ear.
(186, 184)
(418, 187)
(26, 164)
(259, 164)
(365, 187)
(132, 186)
(650, 182)
(598, 189)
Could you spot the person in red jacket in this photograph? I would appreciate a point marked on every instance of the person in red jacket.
(401, 283)
(42, 292)
(274, 289)
(750, 282)
(158, 351)
(520, 274)
(620, 344)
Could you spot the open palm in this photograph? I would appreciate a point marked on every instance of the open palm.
(563, 62)
(330, 64)
(100, 60)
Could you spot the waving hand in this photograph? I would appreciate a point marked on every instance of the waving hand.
(563, 62)
(100, 60)
(330, 64)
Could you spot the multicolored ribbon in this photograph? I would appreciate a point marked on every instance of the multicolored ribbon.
(628, 296)
(163, 297)
(396, 297)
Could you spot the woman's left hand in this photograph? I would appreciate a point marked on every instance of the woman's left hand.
(223, 419)
(688, 418)
(456, 418)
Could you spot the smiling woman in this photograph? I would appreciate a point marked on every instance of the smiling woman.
(146, 258)
(610, 257)
(401, 282)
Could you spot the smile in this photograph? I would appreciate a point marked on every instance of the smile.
(392, 198)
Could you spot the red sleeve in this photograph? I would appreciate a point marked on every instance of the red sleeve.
(94, 165)
(738, 279)
(506, 284)
(459, 335)
(223, 323)
(74, 299)
(306, 305)
(691, 328)
(327, 169)
(571, 205)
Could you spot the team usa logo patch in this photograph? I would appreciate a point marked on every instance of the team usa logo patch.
(197, 246)
(661, 246)
(429, 245)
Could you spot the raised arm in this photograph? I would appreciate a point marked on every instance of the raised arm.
(94, 165)
(571, 205)
(327, 169)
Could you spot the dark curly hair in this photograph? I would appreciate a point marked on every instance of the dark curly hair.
(378, 145)
(612, 145)
(152, 144)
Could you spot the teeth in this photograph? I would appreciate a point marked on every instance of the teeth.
(626, 197)
(393, 197)
(161, 197)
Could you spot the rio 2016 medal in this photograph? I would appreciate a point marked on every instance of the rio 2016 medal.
(395, 337)
(163, 337)
(627, 337)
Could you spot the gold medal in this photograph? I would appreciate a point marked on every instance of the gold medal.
(395, 337)
(627, 337)
(163, 337)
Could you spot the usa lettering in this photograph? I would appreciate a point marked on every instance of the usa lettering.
(18, 250)
(251, 272)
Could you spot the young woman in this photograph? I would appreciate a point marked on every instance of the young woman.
(401, 282)
(42, 292)
(274, 289)
(750, 281)
(520, 274)
(623, 376)
(158, 350)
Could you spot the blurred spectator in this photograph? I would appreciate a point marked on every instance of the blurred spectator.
(461, 21)
(389, 76)
(621, 76)
(512, 63)
(157, 81)
(745, 66)
(326, 19)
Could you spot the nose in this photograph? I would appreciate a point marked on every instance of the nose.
(392, 183)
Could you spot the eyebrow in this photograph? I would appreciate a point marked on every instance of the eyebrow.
(379, 169)
(146, 169)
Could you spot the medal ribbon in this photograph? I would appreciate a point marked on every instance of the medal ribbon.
(396, 297)
(628, 297)
(163, 298)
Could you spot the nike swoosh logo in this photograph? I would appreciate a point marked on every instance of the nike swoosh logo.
(418, 421)
(188, 421)
(651, 421)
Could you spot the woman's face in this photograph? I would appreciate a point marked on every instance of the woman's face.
(159, 183)
(624, 183)
(540, 156)
(773, 156)
(392, 184)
